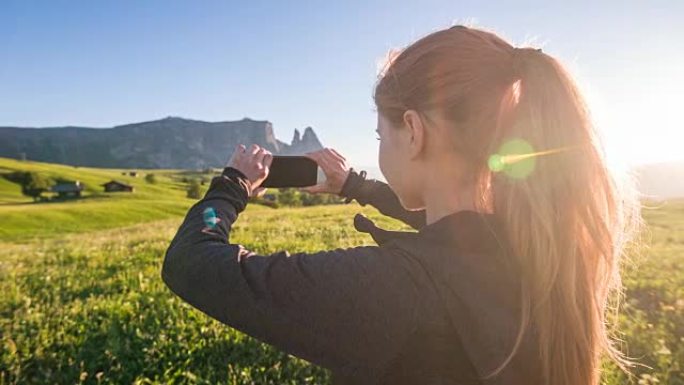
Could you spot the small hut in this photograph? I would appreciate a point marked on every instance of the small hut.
(67, 189)
(117, 186)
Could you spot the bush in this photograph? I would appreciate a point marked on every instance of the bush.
(319, 199)
(32, 183)
(289, 197)
(312, 199)
(151, 178)
(16, 177)
(194, 190)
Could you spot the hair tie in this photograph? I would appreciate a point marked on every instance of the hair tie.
(517, 59)
(526, 49)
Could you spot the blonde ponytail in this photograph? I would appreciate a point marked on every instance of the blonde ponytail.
(565, 219)
(522, 123)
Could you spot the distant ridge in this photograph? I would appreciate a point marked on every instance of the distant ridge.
(172, 142)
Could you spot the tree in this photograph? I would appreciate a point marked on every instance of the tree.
(194, 190)
(151, 178)
(16, 176)
(289, 197)
(34, 185)
(312, 199)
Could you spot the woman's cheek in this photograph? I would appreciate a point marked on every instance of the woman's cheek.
(382, 160)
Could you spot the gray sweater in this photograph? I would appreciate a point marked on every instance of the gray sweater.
(433, 306)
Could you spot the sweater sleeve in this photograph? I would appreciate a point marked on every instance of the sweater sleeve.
(379, 195)
(349, 310)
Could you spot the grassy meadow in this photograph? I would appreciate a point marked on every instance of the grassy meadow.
(82, 300)
(24, 220)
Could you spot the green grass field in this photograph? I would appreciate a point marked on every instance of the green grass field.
(82, 301)
(24, 220)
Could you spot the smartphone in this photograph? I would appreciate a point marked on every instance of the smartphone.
(291, 171)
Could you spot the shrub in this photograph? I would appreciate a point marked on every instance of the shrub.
(32, 183)
(194, 190)
(16, 176)
(289, 197)
(319, 199)
(151, 178)
(312, 199)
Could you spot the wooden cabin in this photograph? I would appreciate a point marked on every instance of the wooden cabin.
(67, 189)
(117, 186)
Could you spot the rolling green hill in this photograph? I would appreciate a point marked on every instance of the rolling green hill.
(22, 219)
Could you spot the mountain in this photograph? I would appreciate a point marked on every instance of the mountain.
(171, 142)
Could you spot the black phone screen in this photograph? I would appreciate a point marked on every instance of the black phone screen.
(291, 171)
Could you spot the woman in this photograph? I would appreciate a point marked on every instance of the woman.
(490, 154)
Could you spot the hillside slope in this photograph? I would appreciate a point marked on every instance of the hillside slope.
(22, 219)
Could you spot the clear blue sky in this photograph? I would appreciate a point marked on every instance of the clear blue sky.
(97, 63)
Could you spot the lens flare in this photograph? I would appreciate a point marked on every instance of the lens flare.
(496, 163)
(517, 159)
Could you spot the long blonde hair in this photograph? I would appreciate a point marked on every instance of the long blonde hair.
(523, 126)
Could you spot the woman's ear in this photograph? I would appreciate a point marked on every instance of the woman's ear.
(415, 133)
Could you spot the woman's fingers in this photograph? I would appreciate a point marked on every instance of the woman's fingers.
(262, 156)
(321, 160)
(239, 150)
(254, 162)
(335, 168)
(337, 155)
(325, 159)
(259, 155)
(327, 164)
(268, 159)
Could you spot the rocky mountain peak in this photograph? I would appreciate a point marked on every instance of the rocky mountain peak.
(310, 139)
(301, 143)
(170, 142)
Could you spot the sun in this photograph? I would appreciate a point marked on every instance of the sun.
(640, 125)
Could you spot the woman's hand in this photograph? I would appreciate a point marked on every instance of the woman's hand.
(335, 168)
(255, 163)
